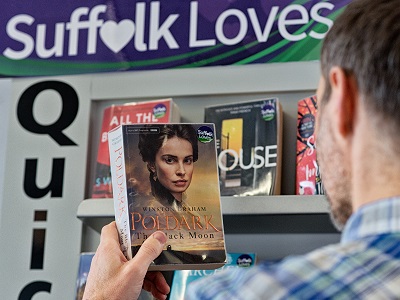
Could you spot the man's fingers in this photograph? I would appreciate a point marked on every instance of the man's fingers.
(109, 231)
(156, 284)
(158, 279)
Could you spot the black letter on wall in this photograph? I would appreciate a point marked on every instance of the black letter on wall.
(69, 111)
(55, 185)
(34, 287)
(38, 241)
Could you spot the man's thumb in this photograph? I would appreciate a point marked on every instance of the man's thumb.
(151, 248)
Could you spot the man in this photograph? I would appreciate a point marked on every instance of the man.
(358, 147)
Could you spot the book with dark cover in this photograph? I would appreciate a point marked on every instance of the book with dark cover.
(308, 179)
(182, 278)
(249, 143)
(155, 111)
(165, 177)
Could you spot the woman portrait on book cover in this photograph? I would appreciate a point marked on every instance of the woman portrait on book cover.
(170, 157)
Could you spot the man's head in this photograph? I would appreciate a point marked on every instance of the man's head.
(361, 56)
(365, 42)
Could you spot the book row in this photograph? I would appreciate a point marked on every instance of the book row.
(170, 176)
(248, 139)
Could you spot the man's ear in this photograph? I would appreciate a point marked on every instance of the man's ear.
(345, 100)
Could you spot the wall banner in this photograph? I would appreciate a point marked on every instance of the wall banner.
(39, 38)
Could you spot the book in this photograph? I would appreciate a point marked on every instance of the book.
(85, 259)
(165, 177)
(155, 111)
(249, 142)
(308, 178)
(182, 278)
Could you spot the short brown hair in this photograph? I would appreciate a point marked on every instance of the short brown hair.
(365, 42)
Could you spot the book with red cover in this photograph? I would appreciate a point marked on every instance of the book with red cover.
(156, 111)
(308, 180)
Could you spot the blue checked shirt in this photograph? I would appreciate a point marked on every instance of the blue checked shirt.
(365, 265)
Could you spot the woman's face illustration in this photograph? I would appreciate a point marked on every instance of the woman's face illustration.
(174, 165)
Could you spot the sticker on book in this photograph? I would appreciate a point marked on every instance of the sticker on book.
(268, 111)
(205, 134)
(159, 111)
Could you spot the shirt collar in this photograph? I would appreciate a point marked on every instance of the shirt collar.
(378, 217)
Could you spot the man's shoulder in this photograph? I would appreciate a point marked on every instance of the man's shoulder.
(330, 256)
(338, 270)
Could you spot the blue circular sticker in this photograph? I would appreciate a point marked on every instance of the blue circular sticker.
(268, 112)
(159, 111)
(205, 134)
(244, 261)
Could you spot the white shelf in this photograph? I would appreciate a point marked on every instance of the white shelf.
(96, 208)
(287, 204)
(98, 212)
(274, 205)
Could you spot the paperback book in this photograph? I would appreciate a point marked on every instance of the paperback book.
(85, 260)
(165, 177)
(182, 278)
(156, 111)
(308, 179)
(249, 143)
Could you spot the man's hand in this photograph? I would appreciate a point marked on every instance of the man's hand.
(112, 276)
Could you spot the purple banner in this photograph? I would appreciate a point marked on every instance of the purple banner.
(66, 37)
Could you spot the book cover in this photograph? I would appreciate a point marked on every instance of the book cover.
(156, 111)
(165, 177)
(85, 260)
(308, 179)
(249, 142)
(182, 278)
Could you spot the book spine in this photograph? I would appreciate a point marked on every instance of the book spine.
(174, 114)
(121, 209)
(102, 182)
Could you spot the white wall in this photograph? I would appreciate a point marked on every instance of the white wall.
(5, 95)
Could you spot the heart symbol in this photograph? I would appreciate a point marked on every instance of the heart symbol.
(116, 35)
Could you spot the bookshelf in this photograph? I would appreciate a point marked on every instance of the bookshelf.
(241, 214)
(98, 212)
(283, 223)
(286, 224)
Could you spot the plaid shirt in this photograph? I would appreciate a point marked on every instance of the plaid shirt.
(365, 265)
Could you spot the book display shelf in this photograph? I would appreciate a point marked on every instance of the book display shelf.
(271, 226)
(98, 212)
